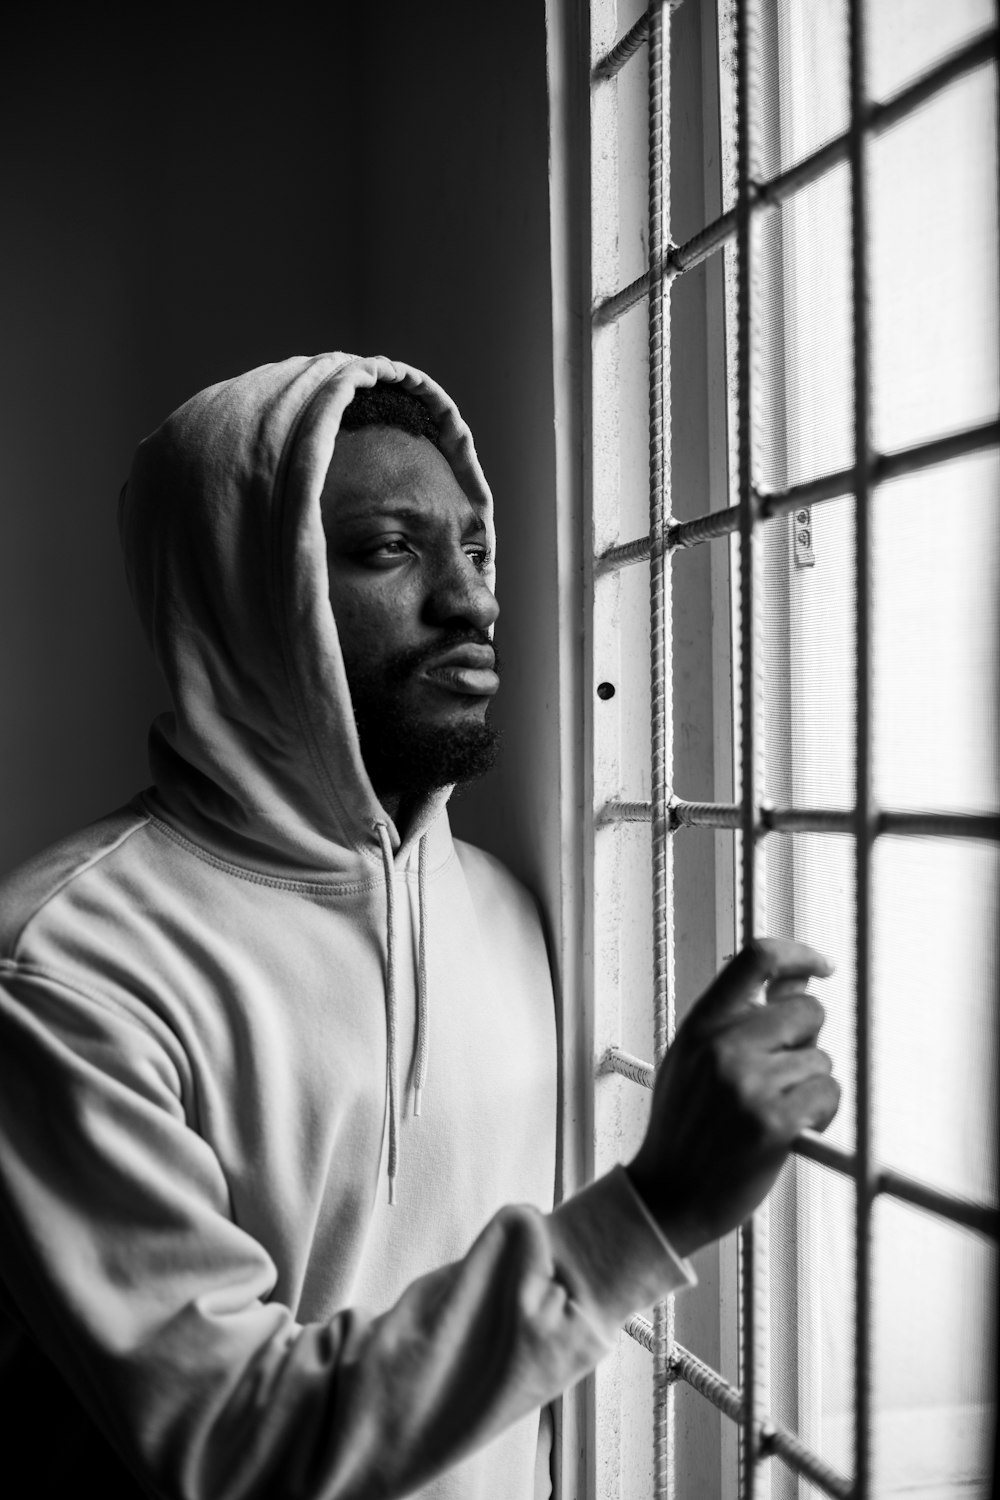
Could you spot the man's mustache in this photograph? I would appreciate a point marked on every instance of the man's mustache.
(402, 664)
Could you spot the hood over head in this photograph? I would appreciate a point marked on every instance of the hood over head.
(226, 560)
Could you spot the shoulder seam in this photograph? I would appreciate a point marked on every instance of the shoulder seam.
(29, 970)
(88, 864)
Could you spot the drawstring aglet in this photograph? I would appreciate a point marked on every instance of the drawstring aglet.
(416, 1099)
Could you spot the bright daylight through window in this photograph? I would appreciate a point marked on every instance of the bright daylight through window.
(794, 491)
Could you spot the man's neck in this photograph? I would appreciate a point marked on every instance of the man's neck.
(391, 802)
(401, 806)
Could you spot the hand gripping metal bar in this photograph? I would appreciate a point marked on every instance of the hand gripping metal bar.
(981, 1218)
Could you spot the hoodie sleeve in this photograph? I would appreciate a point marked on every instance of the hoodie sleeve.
(125, 1266)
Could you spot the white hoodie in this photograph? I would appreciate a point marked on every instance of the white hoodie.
(215, 1006)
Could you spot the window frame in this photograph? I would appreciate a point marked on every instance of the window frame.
(585, 53)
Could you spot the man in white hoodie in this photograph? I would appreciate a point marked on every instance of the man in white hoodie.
(277, 1054)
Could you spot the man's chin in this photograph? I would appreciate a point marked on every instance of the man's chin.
(415, 755)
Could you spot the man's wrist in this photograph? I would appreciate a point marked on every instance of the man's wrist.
(677, 1229)
(672, 1247)
(612, 1254)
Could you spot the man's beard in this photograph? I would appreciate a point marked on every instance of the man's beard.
(404, 754)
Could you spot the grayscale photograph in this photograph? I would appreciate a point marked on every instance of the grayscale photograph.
(500, 750)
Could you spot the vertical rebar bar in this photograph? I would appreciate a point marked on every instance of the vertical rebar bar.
(661, 677)
(864, 810)
(745, 49)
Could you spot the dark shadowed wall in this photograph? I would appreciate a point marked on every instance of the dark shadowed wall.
(189, 191)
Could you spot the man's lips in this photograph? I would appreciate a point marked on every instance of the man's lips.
(468, 669)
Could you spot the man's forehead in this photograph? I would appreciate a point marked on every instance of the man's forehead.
(380, 471)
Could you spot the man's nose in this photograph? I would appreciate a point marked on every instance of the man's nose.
(460, 592)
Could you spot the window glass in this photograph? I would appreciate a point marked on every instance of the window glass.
(934, 311)
(905, 38)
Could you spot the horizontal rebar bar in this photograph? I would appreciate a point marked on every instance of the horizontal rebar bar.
(806, 820)
(775, 190)
(772, 1440)
(707, 528)
(940, 825)
(884, 466)
(981, 49)
(937, 451)
(617, 1061)
(622, 554)
(818, 1149)
(980, 1217)
(611, 308)
(704, 814)
(625, 812)
(624, 48)
(895, 822)
(773, 503)
(627, 46)
(802, 1460)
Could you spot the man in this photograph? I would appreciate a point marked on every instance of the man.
(277, 1056)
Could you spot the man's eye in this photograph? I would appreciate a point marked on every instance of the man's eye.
(480, 558)
(391, 548)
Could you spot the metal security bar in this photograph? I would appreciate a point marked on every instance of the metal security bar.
(747, 42)
(864, 828)
(752, 817)
(683, 814)
(660, 663)
(881, 467)
(874, 119)
(770, 1437)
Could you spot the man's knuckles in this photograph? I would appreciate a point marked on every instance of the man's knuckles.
(755, 1080)
(741, 1077)
(794, 1021)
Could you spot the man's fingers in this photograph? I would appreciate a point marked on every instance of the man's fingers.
(760, 962)
(781, 989)
(795, 1021)
(811, 1105)
(787, 1070)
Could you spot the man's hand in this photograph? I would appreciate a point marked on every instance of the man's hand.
(740, 1081)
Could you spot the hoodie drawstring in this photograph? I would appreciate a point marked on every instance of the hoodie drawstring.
(421, 1069)
(390, 997)
(390, 1005)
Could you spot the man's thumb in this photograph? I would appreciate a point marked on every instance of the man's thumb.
(760, 962)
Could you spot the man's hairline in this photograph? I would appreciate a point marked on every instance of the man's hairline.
(478, 512)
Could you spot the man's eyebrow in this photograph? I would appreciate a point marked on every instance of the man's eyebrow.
(390, 510)
(367, 510)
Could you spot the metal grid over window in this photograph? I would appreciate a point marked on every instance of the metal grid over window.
(751, 816)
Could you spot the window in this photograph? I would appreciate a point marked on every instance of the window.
(791, 413)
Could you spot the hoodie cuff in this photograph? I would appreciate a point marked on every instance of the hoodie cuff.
(611, 1254)
(686, 1273)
